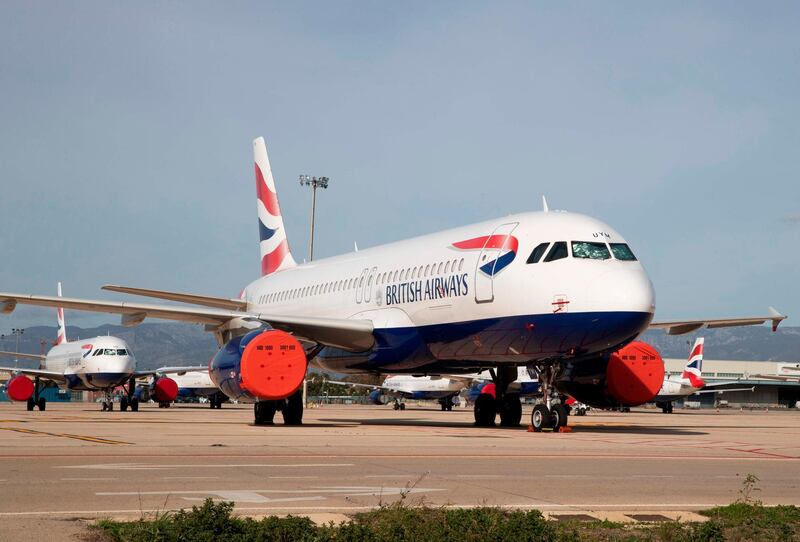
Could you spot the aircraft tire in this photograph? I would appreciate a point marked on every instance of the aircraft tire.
(669, 409)
(265, 412)
(42, 403)
(485, 410)
(559, 417)
(31, 403)
(134, 405)
(510, 410)
(402, 406)
(293, 410)
(540, 418)
(123, 403)
(110, 406)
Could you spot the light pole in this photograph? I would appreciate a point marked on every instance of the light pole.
(17, 332)
(314, 183)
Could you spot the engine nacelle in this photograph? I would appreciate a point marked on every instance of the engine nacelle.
(376, 397)
(19, 388)
(164, 390)
(631, 376)
(261, 365)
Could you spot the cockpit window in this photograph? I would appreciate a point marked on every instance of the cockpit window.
(537, 253)
(122, 352)
(589, 250)
(558, 252)
(622, 251)
(98, 352)
(110, 352)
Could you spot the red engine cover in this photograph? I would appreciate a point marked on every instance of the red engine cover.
(273, 365)
(165, 390)
(19, 388)
(635, 374)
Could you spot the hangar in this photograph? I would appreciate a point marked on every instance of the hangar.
(777, 384)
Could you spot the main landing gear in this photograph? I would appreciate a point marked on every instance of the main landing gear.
(36, 400)
(446, 403)
(398, 405)
(291, 408)
(215, 401)
(495, 399)
(128, 400)
(666, 407)
(551, 413)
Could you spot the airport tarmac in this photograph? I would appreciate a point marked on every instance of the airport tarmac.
(74, 461)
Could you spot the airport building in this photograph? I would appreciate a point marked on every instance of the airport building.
(767, 392)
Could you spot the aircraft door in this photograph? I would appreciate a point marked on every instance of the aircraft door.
(490, 254)
(360, 286)
(368, 285)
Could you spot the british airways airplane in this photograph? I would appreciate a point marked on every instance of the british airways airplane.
(98, 364)
(561, 294)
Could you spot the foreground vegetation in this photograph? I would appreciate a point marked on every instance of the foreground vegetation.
(216, 522)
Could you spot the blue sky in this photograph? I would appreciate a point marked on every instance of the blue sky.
(125, 152)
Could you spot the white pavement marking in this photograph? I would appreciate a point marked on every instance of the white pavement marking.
(146, 466)
(293, 477)
(191, 477)
(88, 479)
(254, 495)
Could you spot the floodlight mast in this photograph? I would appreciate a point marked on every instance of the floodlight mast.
(314, 183)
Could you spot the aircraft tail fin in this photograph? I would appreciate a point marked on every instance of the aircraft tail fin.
(61, 338)
(275, 253)
(693, 372)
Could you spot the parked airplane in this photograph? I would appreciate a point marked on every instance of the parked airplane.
(456, 301)
(444, 389)
(195, 384)
(98, 364)
(690, 382)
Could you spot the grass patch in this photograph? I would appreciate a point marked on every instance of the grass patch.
(214, 521)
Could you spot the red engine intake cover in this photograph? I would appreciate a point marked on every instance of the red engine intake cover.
(635, 374)
(19, 388)
(165, 390)
(273, 365)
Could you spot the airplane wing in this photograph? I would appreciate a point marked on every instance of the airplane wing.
(751, 388)
(205, 300)
(20, 355)
(680, 327)
(170, 370)
(351, 335)
(357, 385)
(779, 378)
(49, 375)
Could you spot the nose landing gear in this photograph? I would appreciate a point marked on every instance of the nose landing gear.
(551, 413)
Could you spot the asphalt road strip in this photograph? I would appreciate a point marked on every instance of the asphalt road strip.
(86, 438)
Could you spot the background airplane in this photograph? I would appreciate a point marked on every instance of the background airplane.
(690, 382)
(97, 364)
(193, 384)
(444, 389)
(456, 301)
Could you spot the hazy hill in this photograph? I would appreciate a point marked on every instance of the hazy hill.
(159, 344)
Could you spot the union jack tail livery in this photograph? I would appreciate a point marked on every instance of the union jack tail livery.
(275, 253)
(62, 328)
(694, 368)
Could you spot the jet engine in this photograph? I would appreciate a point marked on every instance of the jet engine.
(376, 397)
(164, 390)
(19, 388)
(631, 376)
(261, 365)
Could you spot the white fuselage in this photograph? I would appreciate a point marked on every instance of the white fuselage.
(675, 388)
(194, 384)
(92, 364)
(426, 290)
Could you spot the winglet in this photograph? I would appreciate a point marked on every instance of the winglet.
(61, 338)
(777, 318)
(545, 208)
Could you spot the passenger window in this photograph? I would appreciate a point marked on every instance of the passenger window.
(558, 252)
(537, 253)
(622, 252)
(447, 268)
(590, 251)
(439, 270)
(461, 264)
(427, 269)
(403, 274)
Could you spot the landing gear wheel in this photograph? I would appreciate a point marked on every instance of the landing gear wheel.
(510, 410)
(540, 418)
(212, 402)
(123, 403)
(265, 412)
(134, 404)
(110, 405)
(669, 409)
(396, 405)
(31, 403)
(402, 406)
(559, 417)
(293, 410)
(41, 403)
(485, 410)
